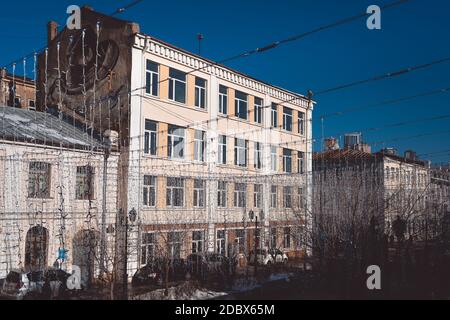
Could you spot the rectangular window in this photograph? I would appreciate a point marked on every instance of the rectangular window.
(274, 159)
(240, 152)
(273, 238)
(287, 160)
(175, 243)
(240, 195)
(287, 119)
(301, 123)
(222, 150)
(241, 105)
(274, 115)
(258, 196)
(287, 197)
(152, 79)
(148, 248)
(220, 242)
(240, 240)
(175, 192)
(31, 105)
(200, 93)
(223, 100)
(150, 138)
(273, 197)
(199, 146)
(175, 142)
(301, 162)
(177, 86)
(84, 184)
(149, 191)
(199, 194)
(301, 202)
(222, 194)
(39, 180)
(258, 155)
(198, 241)
(258, 110)
(287, 238)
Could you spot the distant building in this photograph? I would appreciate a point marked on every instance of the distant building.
(17, 91)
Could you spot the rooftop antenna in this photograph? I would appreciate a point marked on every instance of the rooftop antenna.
(200, 37)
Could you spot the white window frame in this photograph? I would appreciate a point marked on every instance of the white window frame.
(152, 76)
(258, 156)
(173, 82)
(148, 189)
(222, 194)
(258, 196)
(274, 158)
(239, 104)
(150, 136)
(240, 196)
(288, 119)
(301, 162)
(273, 197)
(223, 100)
(199, 194)
(222, 152)
(171, 191)
(287, 166)
(201, 96)
(259, 110)
(274, 114)
(171, 137)
(146, 247)
(199, 146)
(301, 123)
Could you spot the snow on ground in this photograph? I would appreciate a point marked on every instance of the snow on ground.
(183, 292)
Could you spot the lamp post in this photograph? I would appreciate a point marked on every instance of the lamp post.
(252, 217)
(132, 216)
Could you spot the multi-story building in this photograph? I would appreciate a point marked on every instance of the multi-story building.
(57, 193)
(202, 146)
(17, 91)
(384, 184)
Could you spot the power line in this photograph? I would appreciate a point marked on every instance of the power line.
(385, 76)
(126, 7)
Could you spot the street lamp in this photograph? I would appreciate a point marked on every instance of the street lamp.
(252, 217)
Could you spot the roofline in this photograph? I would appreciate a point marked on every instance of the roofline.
(214, 63)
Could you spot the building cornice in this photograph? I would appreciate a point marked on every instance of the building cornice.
(190, 60)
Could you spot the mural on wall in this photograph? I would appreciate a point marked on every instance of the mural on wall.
(111, 50)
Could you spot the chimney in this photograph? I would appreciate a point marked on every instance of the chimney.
(3, 73)
(52, 31)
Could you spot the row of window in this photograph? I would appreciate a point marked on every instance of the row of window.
(178, 92)
(407, 176)
(39, 181)
(175, 240)
(176, 188)
(176, 143)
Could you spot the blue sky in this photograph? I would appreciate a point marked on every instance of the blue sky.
(413, 33)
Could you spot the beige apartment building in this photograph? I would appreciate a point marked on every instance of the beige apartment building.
(209, 145)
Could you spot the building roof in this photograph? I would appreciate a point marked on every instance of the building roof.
(350, 155)
(22, 125)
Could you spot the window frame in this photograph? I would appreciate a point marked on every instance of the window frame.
(258, 196)
(145, 244)
(223, 100)
(85, 177)
(240, 196)
(273, 197)
(172, 137)
(222, 194)
(200, 146)
(287, 161)
(171, 192)
(222, 152)
(274, 115)
(150, 77)
(239, 104)
(149, 136)
(173, 82)
(258, 112)
(238, 149)
(199, 195)
(148, 189)
(37, 173)
(201, 94)
(301, 123)
(288, 119)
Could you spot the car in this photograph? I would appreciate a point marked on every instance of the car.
(200, 265)
(154, 273)
(15, 286)
(268, 257)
